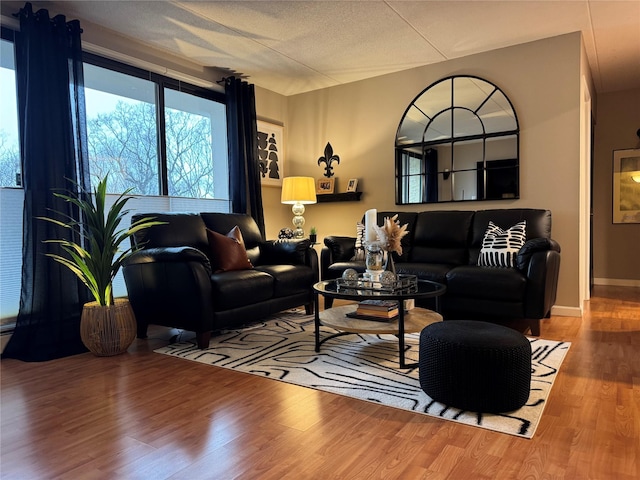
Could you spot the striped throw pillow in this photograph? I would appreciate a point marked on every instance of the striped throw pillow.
(359, 252)
(500, 247)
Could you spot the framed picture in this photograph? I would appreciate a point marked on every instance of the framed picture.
(352, 186)
(325, 185)
(271, 160)
(626, 186)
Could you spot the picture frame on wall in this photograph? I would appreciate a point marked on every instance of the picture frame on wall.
(352, 186)
(271, 153)
(626, 186)
(325, 185)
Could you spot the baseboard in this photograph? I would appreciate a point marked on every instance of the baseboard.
(617, 282)
(563, 311)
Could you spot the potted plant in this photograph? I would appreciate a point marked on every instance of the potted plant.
(107, 325)
(313, 235)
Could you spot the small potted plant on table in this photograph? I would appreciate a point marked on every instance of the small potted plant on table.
(313, 235)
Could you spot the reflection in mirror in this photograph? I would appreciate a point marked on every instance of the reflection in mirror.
(458, 141)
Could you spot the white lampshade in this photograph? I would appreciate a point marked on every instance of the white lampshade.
(298, 190)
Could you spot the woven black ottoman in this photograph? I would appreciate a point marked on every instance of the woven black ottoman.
(476, 366)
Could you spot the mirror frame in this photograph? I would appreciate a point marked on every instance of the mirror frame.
(463, 126)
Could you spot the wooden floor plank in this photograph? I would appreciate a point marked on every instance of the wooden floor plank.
(147, 416)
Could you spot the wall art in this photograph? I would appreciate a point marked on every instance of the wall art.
(271, 159)
(626, 186)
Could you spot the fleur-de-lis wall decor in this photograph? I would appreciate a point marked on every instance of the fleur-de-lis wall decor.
(328, 159)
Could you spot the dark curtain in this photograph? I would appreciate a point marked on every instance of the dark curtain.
(54, 158)
(242, 136)
(431, 174)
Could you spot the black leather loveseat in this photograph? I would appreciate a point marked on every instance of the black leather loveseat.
(171, 282)
(444, 246)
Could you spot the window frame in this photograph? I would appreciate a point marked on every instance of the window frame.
(161, 82)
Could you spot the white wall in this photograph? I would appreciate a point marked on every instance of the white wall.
(616, 247)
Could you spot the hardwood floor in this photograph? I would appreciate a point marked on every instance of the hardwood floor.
(147, 416)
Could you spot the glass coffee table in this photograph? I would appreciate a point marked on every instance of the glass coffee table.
(412, 321)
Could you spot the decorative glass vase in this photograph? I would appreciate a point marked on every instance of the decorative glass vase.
(374, 260)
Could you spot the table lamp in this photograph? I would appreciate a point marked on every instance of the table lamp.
(298, 191)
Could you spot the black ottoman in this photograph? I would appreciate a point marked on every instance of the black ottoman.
(476, 366)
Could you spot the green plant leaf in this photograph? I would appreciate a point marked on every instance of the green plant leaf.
(97, 260)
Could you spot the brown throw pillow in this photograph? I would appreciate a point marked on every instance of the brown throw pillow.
(227, 251)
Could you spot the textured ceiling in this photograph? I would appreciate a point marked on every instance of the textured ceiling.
(296, 46)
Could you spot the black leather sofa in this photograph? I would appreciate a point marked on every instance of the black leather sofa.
(443, 246)
(171, 283)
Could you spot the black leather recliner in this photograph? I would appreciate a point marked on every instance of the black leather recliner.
(170, 282)
(443, 246)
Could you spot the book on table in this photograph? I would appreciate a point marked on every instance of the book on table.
(378, 313)
(386, 305)
(380, 310)
(379, 305)
(375, 318)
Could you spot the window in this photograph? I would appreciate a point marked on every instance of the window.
(164, 140)
(179, 153)
(121, 131)
(196, 136)
(11, 195)
(9, 140)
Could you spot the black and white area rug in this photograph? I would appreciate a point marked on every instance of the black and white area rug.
(362, 366)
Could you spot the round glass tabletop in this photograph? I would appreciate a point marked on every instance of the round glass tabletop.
(423, 289)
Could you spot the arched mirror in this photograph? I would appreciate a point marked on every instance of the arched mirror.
(458, 140)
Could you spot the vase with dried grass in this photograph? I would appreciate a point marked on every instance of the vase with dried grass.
(390, 236)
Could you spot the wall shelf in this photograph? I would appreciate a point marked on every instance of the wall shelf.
(339, 197)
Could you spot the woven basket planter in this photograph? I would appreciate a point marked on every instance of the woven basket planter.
(108, 330)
